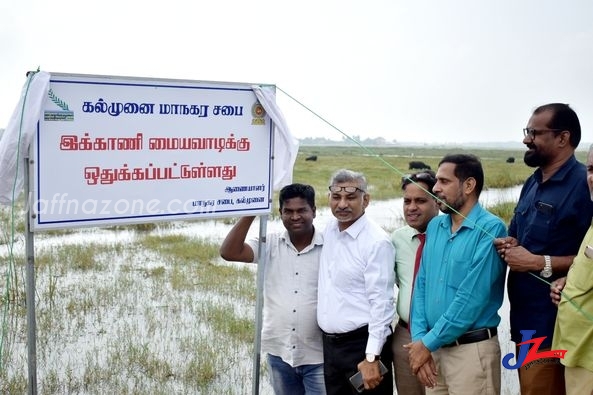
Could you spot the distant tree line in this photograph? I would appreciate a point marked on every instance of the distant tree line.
(367, 142)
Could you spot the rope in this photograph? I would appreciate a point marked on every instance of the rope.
(370, 152)
(375, 155)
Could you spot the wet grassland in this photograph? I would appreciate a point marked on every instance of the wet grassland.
(152, 309)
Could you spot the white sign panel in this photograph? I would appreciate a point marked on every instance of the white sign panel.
(113, 150)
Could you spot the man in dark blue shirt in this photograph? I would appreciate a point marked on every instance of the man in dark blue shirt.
(551, 218)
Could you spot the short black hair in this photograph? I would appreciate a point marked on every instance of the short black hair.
(426, 176)
(297, 190)
(563, 118)
(466, 166)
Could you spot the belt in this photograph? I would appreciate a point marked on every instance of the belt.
(403, 324)
(355, 334)
(473, 336)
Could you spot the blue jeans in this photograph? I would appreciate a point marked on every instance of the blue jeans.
(300, 380)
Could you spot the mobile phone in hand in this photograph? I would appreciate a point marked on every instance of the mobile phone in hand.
(356, 378)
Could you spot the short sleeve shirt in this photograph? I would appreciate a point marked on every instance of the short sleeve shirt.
(289, 328)
(551, 218)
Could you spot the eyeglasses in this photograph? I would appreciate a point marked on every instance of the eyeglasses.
(337, 189)
(531, 133)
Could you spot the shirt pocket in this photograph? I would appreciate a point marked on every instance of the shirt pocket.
(541, 216)
(580, 274)
(458, 272)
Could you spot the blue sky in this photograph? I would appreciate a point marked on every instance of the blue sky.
(429, 71)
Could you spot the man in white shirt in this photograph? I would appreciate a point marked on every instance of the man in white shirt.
(356, 283)
(290, 334)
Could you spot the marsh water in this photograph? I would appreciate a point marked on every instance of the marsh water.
(389, 214)
(72, 343)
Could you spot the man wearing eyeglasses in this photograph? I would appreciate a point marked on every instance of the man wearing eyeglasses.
(551, 218)
(419, 207)
(355, 295)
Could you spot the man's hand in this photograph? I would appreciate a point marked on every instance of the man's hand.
(418, 354)
(517, 257)
(555, 288)
(427, 374)
(502, 243)
(371, 374)
(521, 260)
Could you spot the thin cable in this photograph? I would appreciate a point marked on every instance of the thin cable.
(569, 299)
(373, 154)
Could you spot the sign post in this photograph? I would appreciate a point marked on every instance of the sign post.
(126, 150)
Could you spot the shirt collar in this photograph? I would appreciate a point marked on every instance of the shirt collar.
(316, 241)
(562, 172)
(354, 229)
(469, 221)
(414, 233)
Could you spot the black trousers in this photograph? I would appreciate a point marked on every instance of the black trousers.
(342, 354)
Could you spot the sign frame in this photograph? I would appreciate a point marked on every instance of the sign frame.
(115, 150)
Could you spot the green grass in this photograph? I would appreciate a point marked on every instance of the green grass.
(504, 211)
(162, 312)
(225, 320)
(384, 167)
(159, 278)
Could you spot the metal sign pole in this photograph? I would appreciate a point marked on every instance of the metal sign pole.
(30, 292)
(259, 301)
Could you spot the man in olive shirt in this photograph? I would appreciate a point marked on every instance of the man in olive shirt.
(574, 323)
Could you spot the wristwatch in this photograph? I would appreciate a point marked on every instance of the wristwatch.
(547, 272)
(372, 357)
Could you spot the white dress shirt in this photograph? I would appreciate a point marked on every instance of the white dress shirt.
(289, 328)
(356, 281)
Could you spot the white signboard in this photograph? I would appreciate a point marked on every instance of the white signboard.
(121, 150)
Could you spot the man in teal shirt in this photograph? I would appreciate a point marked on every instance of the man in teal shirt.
(459, 288)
